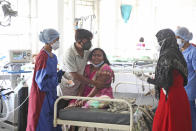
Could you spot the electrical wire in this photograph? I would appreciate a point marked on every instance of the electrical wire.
(7, 104)
(8, 112)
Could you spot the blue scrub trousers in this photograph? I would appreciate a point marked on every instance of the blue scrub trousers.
(193, 114)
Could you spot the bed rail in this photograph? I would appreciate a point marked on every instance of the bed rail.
(93, 124)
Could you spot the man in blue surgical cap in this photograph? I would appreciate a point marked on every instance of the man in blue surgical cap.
(45, 80)
(183, 37)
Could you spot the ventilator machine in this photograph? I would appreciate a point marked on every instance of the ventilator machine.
(14, 90)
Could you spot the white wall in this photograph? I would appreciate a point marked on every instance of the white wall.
(147, 18)
(113, 35)
(18, 34)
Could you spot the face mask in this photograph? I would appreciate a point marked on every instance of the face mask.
(55, 45)
(158, 45)
(98, 65)
(180, 43)
(158, 48)
(87, 45)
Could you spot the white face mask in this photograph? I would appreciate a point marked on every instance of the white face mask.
(55, 45)
(98, 65)
(180, 43)
(158, 48)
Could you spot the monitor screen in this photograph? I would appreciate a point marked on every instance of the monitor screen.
(17, 56)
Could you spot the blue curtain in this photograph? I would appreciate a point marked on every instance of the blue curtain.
(125, 12)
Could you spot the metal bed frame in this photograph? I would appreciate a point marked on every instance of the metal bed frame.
(58, 121)
(92, 124)
(121, 83)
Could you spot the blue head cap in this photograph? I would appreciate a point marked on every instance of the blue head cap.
(184, 33)
(48, 35)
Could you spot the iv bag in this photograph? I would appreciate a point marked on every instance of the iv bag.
(125, 12)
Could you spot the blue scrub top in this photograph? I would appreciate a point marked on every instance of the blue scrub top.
(190, 57)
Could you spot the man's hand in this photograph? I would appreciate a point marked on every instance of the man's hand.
(68, 76)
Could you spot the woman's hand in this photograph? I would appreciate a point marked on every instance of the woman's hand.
(103, 76)
(102, 79)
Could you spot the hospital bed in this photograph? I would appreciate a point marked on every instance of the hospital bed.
(97, 118)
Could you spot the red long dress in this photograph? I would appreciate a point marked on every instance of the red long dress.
(174, 113)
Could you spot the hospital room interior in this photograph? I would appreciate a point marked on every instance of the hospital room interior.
(98, 65)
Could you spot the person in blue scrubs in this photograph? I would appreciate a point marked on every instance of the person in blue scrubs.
(183, 37)
(45, 80)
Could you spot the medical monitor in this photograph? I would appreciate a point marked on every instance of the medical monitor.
(20, 56)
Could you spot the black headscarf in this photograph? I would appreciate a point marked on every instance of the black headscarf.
(170, 58)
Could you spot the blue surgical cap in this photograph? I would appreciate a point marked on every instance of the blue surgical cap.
(184, 33)
(48, 35)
